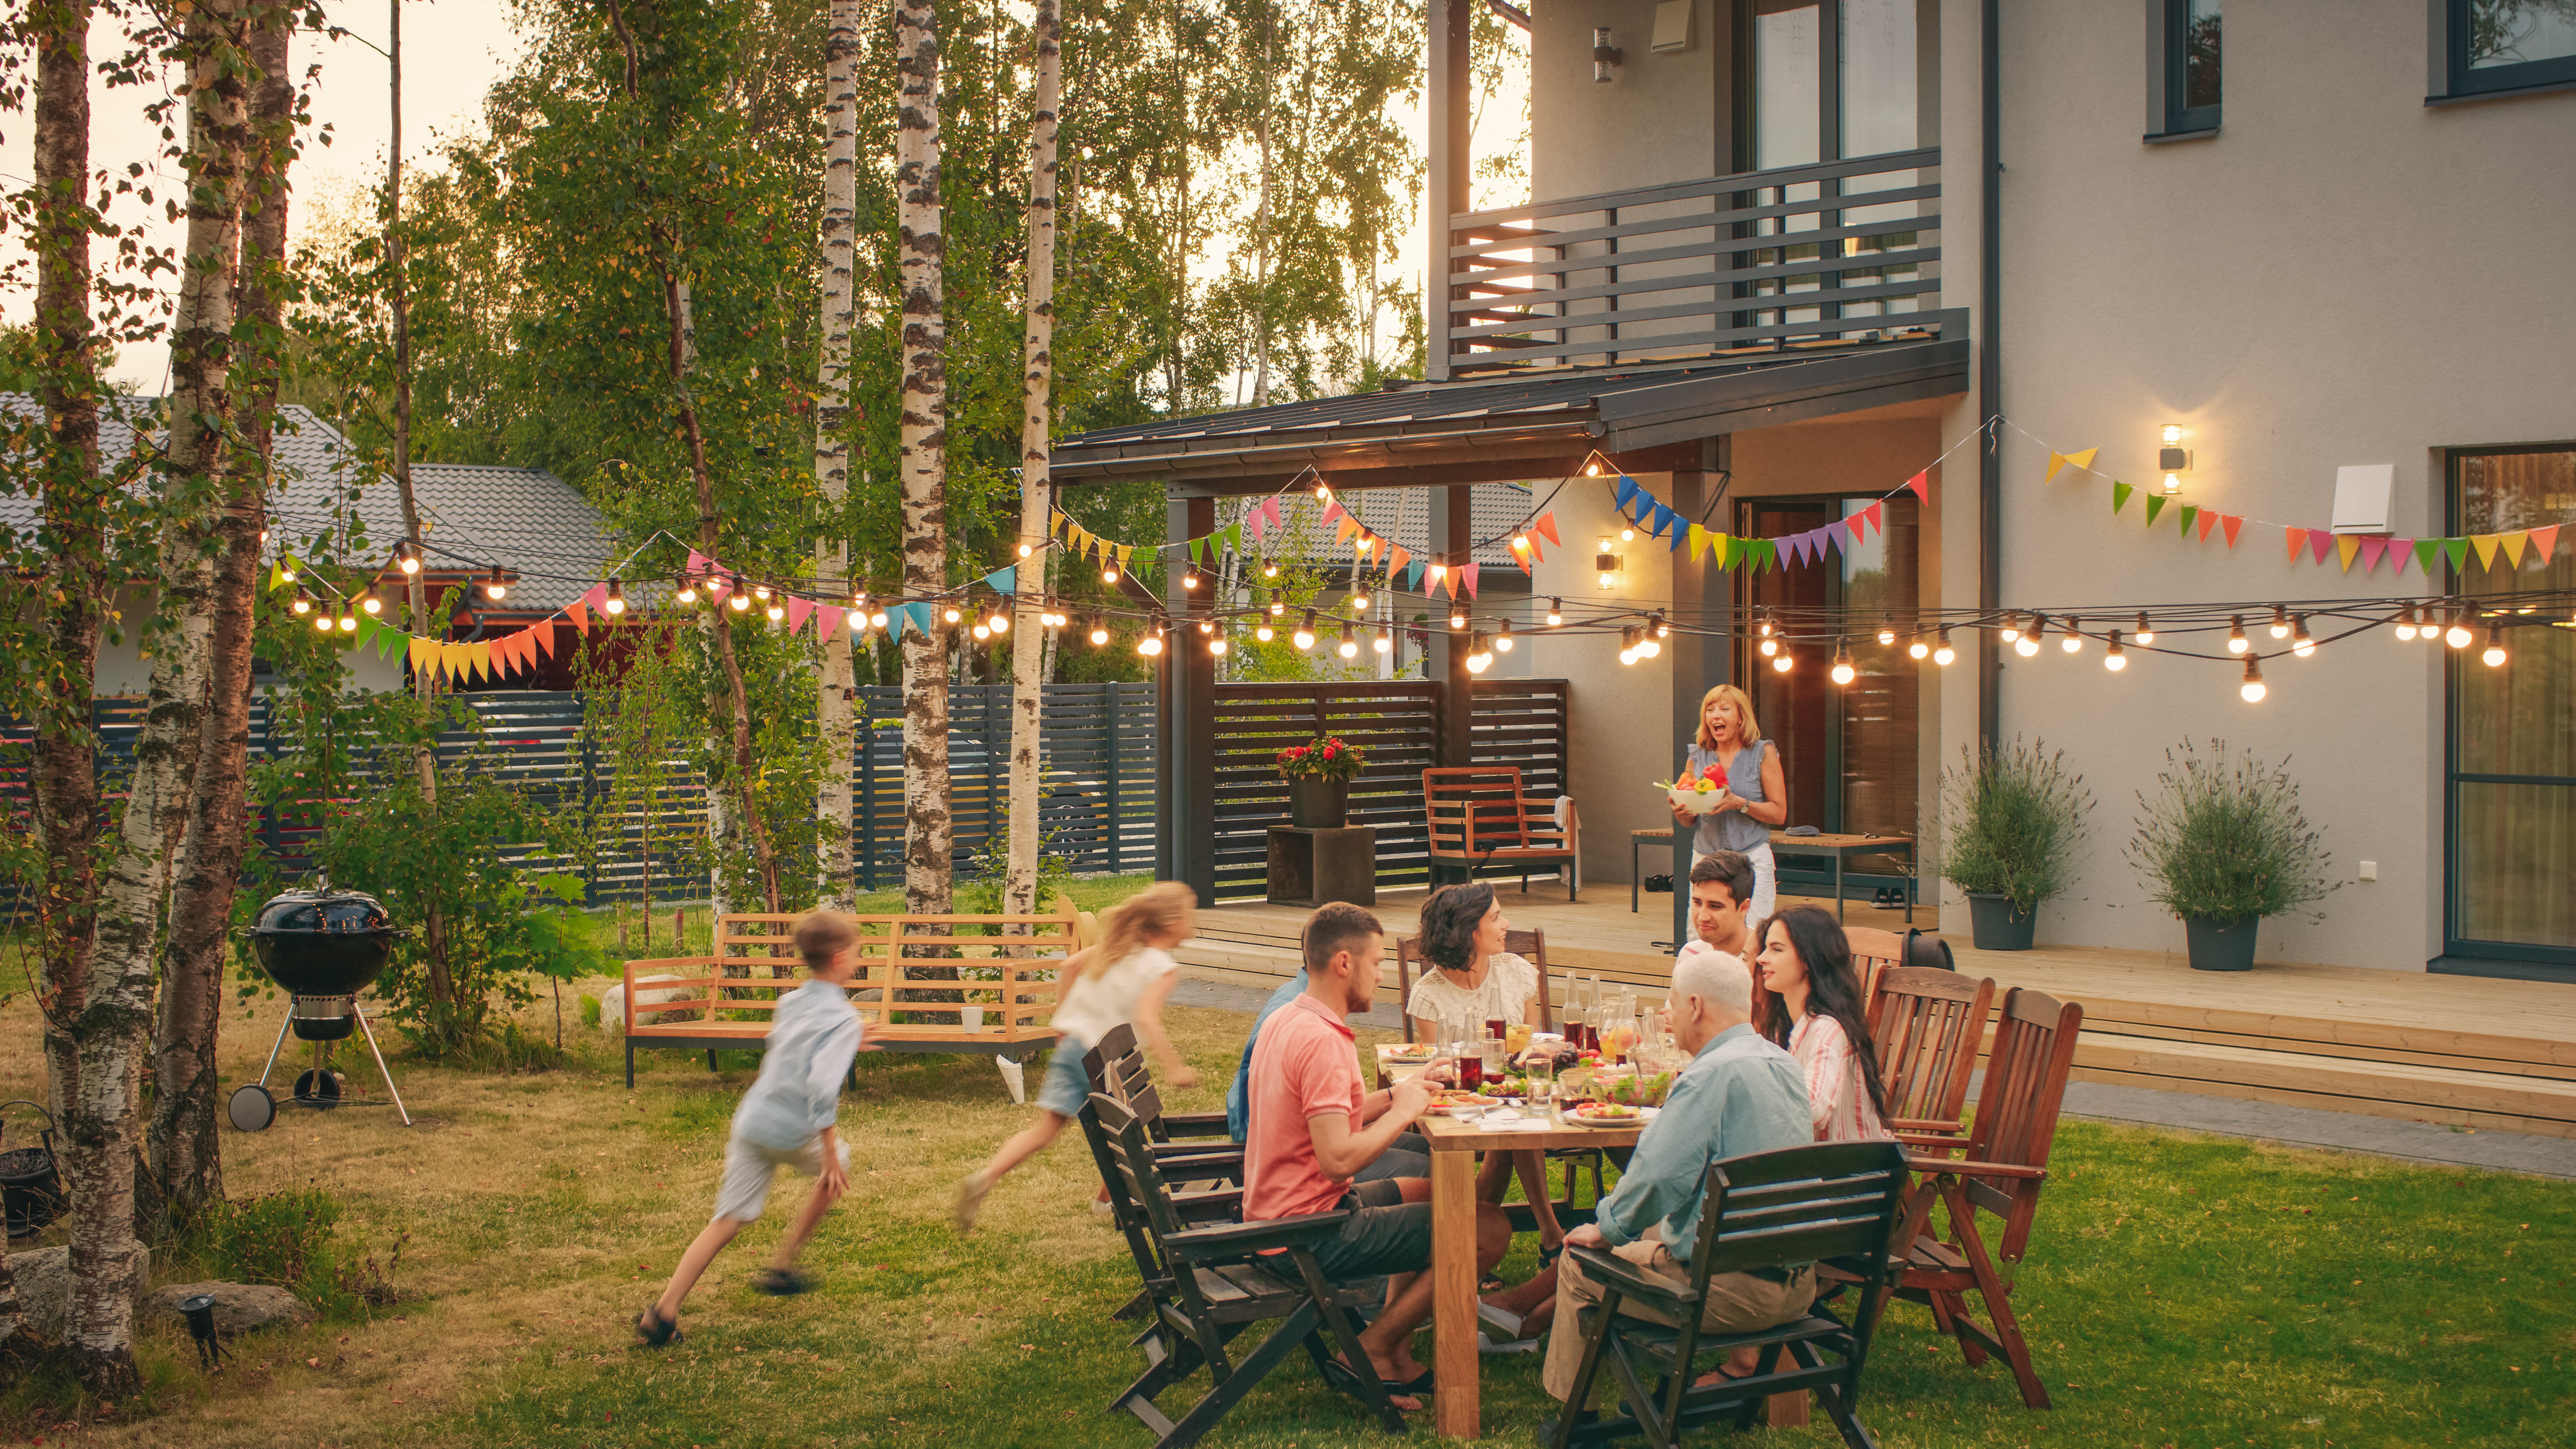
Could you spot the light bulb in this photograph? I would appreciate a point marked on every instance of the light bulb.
(2146, 631)
(1025, 550)
(495, 587)
(1190, 580)
(2406, 623)
(1770, 648)
(1440, 570)
(2494, 654)
(1942, 653)
(2280, 622)
(1503, 638)
(2458, 635)
(1555, 612)
(1349, 647)
(877, 620)
(409, 559)
(1359, 601)
(1304, 638)
(1520, 543)
(1263, 632)
(2073, 640)
(1384, 643)
(1628, 656)
(981, 633)
(1151, 644)
(2173, 484)
(950, 614)
(2113, 659)
(1480, 655)
(615, 603)
(1627, 535)
(1592, 469)
(1109, 574)
(1886, 631)
(286, 570)
(1915, 648)
(1607, 580)
(369, 602)
(1763, 625)
(349, 625)
(2236, 640)
(1843, 671)
(2300, 643)
(1457, 617)
(1099, 630)
(1781, 661)
(1323, 493)
(2252, 689)
(2011, 630)
(1278, 603)
(303, 602)
(1207, 626)
(777, 610)
(1648, 647)
(1270, 568)
(1216, 646)
(2026, 646)
(1656, 626)
(739, 601)
(322, 622)
(688, 591)
(2173, 435)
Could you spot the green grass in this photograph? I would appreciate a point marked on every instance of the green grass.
(2179, 1291)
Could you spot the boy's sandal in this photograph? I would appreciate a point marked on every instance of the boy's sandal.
(783, 1282)
(655, 1330)
(1491, 1283)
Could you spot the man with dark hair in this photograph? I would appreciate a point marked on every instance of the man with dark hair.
(1721, 897)
(1335, 926)
(1314, 1127)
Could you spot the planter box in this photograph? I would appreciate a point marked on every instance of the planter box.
(2219, 944)
(1319, 804)
(1998, 926)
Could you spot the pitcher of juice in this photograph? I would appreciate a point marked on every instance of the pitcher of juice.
(1516, 1038)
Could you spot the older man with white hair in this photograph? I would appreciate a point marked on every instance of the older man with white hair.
(1739, 1095)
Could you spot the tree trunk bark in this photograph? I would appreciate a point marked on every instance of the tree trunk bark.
(923, 435)
(185, 1148)
(1037, 491)
(837, 678)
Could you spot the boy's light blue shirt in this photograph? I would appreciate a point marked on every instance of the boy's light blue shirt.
(1739, 1095)
(1238, 1098)
(813, 1037)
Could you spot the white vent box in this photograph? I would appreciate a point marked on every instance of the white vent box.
(1673, 26)
(2365, 497)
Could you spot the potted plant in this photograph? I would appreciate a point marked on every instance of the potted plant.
(2222, 843)
(1319, 774)
(2011, 818)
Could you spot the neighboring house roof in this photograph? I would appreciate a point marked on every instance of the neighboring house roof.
(1404, 514)
(474, 515)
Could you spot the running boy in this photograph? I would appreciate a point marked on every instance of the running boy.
(786, 1120)
(1123, 979)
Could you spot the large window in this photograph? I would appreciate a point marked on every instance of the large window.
(2191, 66)
(2513, 747)
(2509, 45)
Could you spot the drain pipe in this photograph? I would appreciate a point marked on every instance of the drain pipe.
(1990, 375)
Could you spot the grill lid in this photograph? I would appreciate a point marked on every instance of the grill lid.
(327, 911)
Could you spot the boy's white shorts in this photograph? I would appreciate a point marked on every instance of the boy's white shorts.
(748, 1167)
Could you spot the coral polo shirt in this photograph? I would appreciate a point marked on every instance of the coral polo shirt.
(1305, 1063)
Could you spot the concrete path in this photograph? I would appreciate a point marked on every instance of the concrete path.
(2141, 1106)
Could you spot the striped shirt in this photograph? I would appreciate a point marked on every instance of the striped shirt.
(1836, 1095)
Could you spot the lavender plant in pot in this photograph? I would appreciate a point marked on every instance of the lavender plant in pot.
(2011, 819)
(2222, 843)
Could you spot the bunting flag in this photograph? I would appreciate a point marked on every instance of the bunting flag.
(1698, 542)
(2427, 550)
(546, 639)
(2513, 548)
(2231, 522)
(798, 611)
(1921, 483)
(2083, 460)
(2119, 494)
(2208, 521)
(1546, 526)
(2457, 551)
(579, 615)
(2348, 545)
(2320, 543)
(1468, 573)
(2485, 543)
(276, 575)
(2545, 540)
(2371, 549)
(2297, 538)
(830, 619)
(1876, 513)
(2186, 514)
(2155, 505)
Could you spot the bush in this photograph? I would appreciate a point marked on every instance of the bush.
(2011, 820)
(2223, 838)
(589, 1010)
(290, 1240)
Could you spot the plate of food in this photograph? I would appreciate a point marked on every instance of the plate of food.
(1410, 1053)
(1606, 1114)
(1458, 1104)
(1504, 1087)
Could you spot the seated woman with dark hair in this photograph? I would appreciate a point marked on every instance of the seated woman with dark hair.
(1816, 1011)
(1467, 975)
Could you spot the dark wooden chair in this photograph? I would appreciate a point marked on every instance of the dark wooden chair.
(1211, 1170)
(1481, 823)
(1798, 1205)
(2005, 1166)
(1927, 1026)
(1210, 1283)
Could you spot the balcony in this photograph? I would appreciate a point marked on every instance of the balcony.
(1845, 254)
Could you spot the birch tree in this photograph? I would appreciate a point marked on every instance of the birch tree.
(922, 439)
(836, 679)
(1037, 491)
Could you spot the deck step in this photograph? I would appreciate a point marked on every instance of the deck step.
(2409, 1091)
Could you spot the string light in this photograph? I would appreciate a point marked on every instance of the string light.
(1843, 671)
(1503, 637)
(2146, 631)
(1278, 602)
(1026, 550)
(2027, 642)
(1480, 655)
(1000, 623)
(1323, 492)
(1207, 626)
(2011, 632)
(303, 602)
(1627, 535)
(1384, 643)
(1782, 661)
(688, 592)
(761, 592)
(2112, 658)
(407, 558)
(1770, 648)
(1520, 540)
(1649, 640)
(2494, 654)
(1555, 612)
(1151, 644)
(777, 610)
(1915, 648)
(1762, 626)
(615, 603)
(1349, 648)
(369, 602)
(1457, 615)
(735, 598)
(1263, 632)
(2280, 622)
(494, 586)
(2458, 635)
(2300, 643)
(322, 622)
(877, 620)
(1886, 630)
(1190, 578)
(1304, 638)
(1270, 568)
(2252, 688)
(2073, 640)
(2237, 643)
(1592, 469)
(2406, 624)
(348, 621)
(1656, 626)
(1628, 644)
(1359, 600)
(1109, 573)
(981, 632)
(1099, 630)
(950, 614)
(1439, 569)
(1217, 647)
(1942, 653)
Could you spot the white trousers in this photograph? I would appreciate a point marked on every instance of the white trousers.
(1766, 882)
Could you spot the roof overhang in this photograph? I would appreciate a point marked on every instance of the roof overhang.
(1503, 429)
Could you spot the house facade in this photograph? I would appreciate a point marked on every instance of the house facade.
(1781, 258)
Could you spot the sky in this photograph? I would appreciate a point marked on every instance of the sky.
(453, 50)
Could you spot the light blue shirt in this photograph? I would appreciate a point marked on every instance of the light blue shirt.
(1739, 1095)
(813, 1037)
(1238, 1098)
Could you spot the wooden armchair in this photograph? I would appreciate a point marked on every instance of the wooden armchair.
(1873, 951)
(1926, 1026)
(1480, 822)
(1211, 1170)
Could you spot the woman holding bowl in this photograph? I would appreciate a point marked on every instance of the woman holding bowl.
(1730, 747)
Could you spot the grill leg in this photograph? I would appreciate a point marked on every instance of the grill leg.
(281, 1043)
(380, 1062)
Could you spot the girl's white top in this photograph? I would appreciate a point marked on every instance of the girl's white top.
(1106, 996)
(1836, 1096)
(1510, 982)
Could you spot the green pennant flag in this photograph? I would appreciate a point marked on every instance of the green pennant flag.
(389, 639)
(2458, 549)
(367, 627)
(2155, 505)
(2427, 550)
(1234, 536)
(2189, 512)
(1766, 554)
(276, 575)
(1198, 549)
(2120, 495)
(1731, 552)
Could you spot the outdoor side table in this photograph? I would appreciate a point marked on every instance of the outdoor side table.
(1841, 848)
(1310, 867)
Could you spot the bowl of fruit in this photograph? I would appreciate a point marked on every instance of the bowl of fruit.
(1694, 793)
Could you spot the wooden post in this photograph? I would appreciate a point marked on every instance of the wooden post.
(1452, 538)
(1455, 1407)
(1186, 843)
(1700, 661)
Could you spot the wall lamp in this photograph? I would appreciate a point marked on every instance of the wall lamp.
(2173, 460)
(1606, 564)
(1604, 56)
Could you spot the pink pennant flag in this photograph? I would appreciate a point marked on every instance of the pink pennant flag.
(1468, 573)
(1252, 524)
(698, 562)
(2297, 538)
(2371, 549)
(1271, 508)
(828, 619)
(1921, 483)
(797, 611)
(597, 598)
(2545, 541)
(1333, 512)
(2401, 552)
(2320, 543)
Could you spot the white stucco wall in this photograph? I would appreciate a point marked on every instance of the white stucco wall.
(122, 669)
(1660, 119)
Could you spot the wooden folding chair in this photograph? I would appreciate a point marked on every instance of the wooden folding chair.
(1208, 1284)
(1873, 952)
(2005, 1167)
(1768, 1210)
(1927, 1026)
(1212, 1171)
(1480, 821)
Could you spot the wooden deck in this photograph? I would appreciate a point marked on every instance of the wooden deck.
(2464, 1051)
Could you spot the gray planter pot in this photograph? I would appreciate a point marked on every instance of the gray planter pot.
(1998, 926)
(2221, 944)
(1319, 804)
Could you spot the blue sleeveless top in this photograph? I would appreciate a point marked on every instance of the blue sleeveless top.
(1733, 830)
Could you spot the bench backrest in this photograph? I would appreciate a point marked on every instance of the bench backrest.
(929, 971)
(1475, 809)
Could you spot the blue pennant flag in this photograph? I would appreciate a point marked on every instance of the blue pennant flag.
(1413, 571)
(1680, 534)
(1004, 581)
(920, 616)
(1627, 491)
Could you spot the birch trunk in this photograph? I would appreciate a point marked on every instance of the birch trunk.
(1261, 226)
(923, 434)
(837, 678)
(1037, 491)
(94, 1020)
(186, 1152)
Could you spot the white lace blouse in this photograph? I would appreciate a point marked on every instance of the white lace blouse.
(1510, 982)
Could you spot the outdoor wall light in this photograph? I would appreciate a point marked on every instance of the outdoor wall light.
(1605, 56)
(1606, 564)
(2173, 460)
(2252, 688)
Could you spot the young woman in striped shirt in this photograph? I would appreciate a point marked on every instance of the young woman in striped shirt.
(1816, 1011)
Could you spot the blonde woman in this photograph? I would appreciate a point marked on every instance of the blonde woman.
(1730, 747)
(1124, 979)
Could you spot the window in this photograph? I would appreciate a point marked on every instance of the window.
(2512, 755)
(2191, 66)
(2509, 45)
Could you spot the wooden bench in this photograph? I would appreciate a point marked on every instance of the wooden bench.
(1481, 822)
(728, 997)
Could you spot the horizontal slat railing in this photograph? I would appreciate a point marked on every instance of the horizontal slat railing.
(1844, 253)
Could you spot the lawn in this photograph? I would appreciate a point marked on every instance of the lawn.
(2180, 1291)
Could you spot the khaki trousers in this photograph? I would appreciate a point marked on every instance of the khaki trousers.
(1736, 1303)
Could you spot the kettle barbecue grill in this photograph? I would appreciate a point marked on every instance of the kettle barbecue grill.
(322, 947)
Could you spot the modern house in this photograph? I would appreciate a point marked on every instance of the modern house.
(1783, 256)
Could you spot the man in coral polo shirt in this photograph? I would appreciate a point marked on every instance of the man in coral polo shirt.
(1314, 1126)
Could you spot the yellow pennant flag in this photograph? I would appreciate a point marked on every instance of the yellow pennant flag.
(2059, 460)
(2486, 545)
(421, 654)
(1698, 541)
(2513, 543)
(2347, 545)
(1126, 551)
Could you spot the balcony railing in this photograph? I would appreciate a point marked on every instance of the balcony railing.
(1844, 253)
